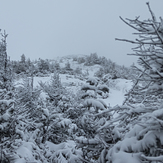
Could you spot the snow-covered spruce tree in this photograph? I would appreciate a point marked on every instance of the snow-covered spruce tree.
(56, 131)
(41, 125)
(92, 117)
(53, 109)
(27, 96)
(94, 89)
(55, 123)
(11, 128)
(7, 103)
(27, 127)
(56, 128)
(140, 120)
(5, 70)
(54, 88)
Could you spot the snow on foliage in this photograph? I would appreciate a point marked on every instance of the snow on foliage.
(92, 80)
(64, 122)
(63, 152)
(97, 105)
(120, 157)
(88, 95)
(103, 102)
(103, 88)
(86, 87)
(75, 122)
(6, 102)
(139, 121)
(46, 112)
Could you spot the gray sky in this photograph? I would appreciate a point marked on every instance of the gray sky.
(49, 28)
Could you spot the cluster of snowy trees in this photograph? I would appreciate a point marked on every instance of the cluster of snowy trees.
(79, 127)
(38, 67)
(43, 67)
(107, 67)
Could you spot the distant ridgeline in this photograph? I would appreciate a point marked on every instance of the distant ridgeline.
(63, 65)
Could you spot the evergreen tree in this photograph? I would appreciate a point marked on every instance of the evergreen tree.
(67, 66)
(43, 66)
(139, 124)
(23, 59)
(8, 129)
(54, 89)
(5, 69)
(90, 116)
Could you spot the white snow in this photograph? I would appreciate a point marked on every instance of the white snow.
(25, 151)
(123, 157)
(46, 112)
(94, 103)
(63, 152)
(117, 93)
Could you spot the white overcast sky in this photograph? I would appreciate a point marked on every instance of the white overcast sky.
(49, 28)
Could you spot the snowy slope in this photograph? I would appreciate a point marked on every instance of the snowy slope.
(118, 87)
(74, 64)
(117, 93)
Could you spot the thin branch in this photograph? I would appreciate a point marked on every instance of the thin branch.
(137, 42)
(158, 73)
(127, 23)
(158, 34)
(129, 94)
(133, 42)
(141, 55)
(152, 14)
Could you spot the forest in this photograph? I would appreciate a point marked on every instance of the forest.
(59, 122)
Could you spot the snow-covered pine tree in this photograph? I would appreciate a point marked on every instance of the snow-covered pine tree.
(5, 69)
(55, 123)
(92, 116)
(17, 116)
(55, 127)
(139, 124)
(27, 96)
(54, 88)
(7, 103)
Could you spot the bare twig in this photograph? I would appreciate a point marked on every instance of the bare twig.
(153, 16)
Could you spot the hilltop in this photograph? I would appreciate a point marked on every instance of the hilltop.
(80, 65)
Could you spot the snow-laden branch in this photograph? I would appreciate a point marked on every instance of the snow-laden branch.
(156, 158)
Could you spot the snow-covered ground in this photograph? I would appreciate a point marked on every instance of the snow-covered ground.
(116, 93)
